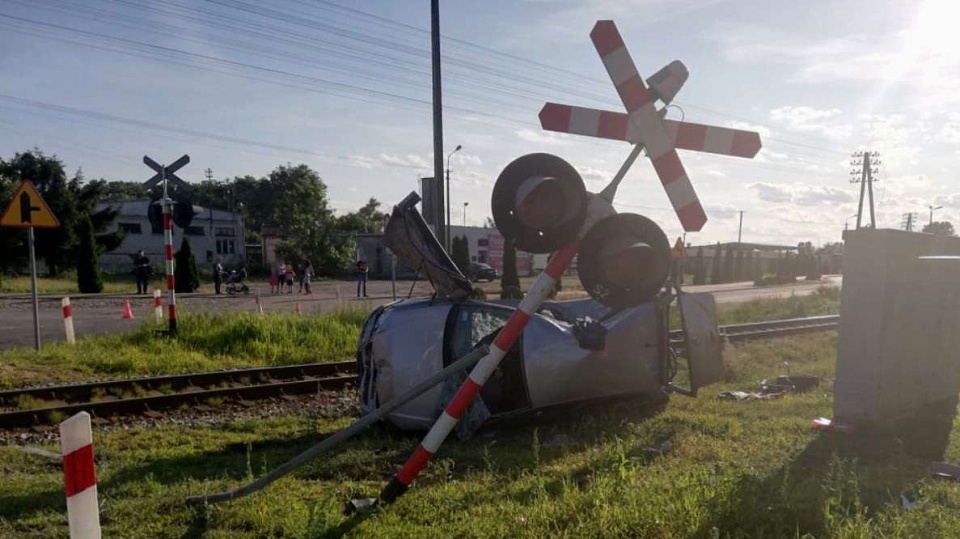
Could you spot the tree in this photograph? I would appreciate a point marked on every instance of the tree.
(757, 268)
(940, 228)
(300, 211)
(716, 270)
(89, 280)
(185, 271)
(699, 268)
(367, 220)
(461, 253)
(70, 200)
(510, 281)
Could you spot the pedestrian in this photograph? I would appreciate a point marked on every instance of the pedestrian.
(280, 272)
(298, 270)
(274, 281)
(288, 278)
(306, 276)
(217, 276)
(362, 270)
(141, 271)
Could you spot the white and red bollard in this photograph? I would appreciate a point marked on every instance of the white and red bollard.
(80, 477)
(68, 321)
(157, 305)
(259, 305)
(168, 244)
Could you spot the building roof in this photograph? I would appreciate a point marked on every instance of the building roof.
(138, 208)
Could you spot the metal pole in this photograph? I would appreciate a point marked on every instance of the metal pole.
(863, 187)
(33, 290)
(393, 274)
(740, 230)
(437, 119)
(168, 248)
(869, 175)
(448, 246)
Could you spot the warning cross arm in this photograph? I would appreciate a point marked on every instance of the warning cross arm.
(616, 126)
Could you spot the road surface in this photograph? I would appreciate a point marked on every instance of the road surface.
(102, 313)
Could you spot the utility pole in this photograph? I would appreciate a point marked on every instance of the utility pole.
(932, 209)
(209, 174)
(908, 221)
(740, 230)
(437, 120)
(864, 164)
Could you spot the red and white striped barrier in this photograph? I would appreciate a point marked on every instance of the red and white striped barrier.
(76, 446)
(538, 293)
(168, 243)
(68, 320)
(157, 305)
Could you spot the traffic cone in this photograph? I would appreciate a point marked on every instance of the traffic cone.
(127, 312)
(296, 308)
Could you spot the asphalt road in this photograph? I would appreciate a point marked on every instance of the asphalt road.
(101, 313)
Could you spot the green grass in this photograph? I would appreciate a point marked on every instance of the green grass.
(205, 342)
(67, 284)
(737, 470)
(825, 300)
(211, 342)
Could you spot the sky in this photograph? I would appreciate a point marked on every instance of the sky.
(243, 86)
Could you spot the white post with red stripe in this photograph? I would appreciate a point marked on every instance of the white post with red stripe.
(76, 446)
(68, 320)
(168, 244)
(157, 305)
(538, 293)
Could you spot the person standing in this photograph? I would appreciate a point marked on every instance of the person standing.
(281, 272)
(362, 270)
(288, 278)
(217, 276)
(141, 271)
(306, 276)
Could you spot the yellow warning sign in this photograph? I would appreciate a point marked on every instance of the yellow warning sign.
(27, 209)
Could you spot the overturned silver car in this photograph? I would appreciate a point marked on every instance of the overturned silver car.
(570, 352)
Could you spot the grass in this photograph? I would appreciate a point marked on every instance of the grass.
(736, 470)
(205, 342)
(211, 342)
(67, 284)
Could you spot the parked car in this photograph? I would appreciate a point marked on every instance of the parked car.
(570, 351)
(482, 272)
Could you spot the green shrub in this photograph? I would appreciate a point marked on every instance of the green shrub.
(185, 271)
(89, 280)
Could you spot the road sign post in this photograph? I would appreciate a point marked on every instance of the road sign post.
(163, 173)
(28, 210)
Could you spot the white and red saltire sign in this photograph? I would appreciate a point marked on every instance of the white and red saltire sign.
(644, 124)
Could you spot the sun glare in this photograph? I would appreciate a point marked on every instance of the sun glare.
(936, 30)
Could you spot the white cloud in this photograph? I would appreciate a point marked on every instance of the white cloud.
(950, 131)
(809, 119)
(541, 137)
(801, 194)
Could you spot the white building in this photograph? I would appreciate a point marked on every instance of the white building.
(214, 235)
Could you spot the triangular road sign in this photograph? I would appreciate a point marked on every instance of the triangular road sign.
(27, 209)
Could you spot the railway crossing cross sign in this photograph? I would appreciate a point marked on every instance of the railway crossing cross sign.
(647, 127)
(165, 174)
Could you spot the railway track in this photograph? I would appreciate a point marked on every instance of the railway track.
(28, 407)
(132, 396)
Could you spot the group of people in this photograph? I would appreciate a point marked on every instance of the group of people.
(281, 276)
(284, 275)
